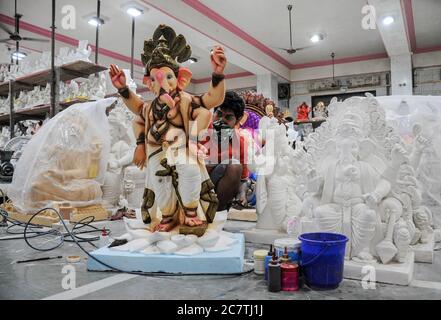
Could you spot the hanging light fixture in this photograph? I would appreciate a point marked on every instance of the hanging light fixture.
(334, 84)
(18, 55)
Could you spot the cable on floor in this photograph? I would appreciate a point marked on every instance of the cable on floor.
(30, 232)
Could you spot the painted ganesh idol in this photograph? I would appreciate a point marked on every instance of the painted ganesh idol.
(178, 193)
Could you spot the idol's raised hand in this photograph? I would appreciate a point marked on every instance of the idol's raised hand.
(218, 60)
(117, 76)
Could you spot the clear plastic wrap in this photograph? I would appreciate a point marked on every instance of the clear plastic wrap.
(65, 161)
(404, 112)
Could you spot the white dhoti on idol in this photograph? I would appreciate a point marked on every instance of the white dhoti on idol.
(186, 191)
(349, 214)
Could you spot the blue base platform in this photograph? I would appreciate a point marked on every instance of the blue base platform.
(224, 262)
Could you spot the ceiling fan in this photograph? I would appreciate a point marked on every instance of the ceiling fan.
(15, 36)
(291, 50)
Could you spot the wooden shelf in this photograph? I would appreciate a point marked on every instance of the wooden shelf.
(69, 71)
(4, 119)
(36, 112)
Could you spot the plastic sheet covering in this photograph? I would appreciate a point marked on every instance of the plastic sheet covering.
(65, 161)
(403, 112)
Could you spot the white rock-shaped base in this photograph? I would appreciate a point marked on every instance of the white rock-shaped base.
(263, 236)
(141, 240)
(392, 273)
(424, 251)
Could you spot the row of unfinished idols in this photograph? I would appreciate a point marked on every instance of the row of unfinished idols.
(354, 175)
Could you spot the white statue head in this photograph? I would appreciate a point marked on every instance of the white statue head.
(118, 126)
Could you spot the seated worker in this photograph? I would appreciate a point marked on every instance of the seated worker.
(228, 152)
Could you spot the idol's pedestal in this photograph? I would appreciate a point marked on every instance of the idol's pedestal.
(242, 215)
(216, 252)
(424, 251)
(392, 273)
(263, 236)
(223, 262)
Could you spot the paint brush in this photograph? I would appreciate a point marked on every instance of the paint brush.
(40, 259)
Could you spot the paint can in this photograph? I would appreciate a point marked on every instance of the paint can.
(259, 261)
(292, 245)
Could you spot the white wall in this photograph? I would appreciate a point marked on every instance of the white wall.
(428, 59)
(234, 83)
(344, 69)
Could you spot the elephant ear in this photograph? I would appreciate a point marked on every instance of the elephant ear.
(184, 77)
(367, 147)
(148, 82)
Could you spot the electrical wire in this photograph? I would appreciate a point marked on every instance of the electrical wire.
(29, 233)
(17, 228)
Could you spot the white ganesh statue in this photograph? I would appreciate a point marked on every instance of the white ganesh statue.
(360, 182)
(277, 204)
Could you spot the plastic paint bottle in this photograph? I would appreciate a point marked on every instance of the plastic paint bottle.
(274, 275)
(290, 276)
(104, 239)
(285, 258)
(267, 261)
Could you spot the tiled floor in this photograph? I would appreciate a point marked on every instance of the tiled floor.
(38, 280)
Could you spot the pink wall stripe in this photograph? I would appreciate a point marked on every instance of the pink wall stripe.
(74, 42)
(430, 49)
(211, 14)
(410, 23)
(208, 36)
(65, 39)
(341, 60)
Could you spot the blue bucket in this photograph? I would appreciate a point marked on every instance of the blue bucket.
(322, 259)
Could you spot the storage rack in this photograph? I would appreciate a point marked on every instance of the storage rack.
(53, 75)
(66, 72)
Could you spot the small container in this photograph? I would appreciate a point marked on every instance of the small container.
(259, 261)
(290, 276)
(292, 245)
(274, 275)
(268, 258)
(104, 239)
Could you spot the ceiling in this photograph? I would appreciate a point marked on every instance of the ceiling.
(427, 18)
(268, 21)
(115, 34)
(250, 28)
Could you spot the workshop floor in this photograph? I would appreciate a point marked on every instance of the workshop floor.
(43, 279)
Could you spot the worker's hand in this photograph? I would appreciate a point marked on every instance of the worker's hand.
(140, 156)
(117, 76)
